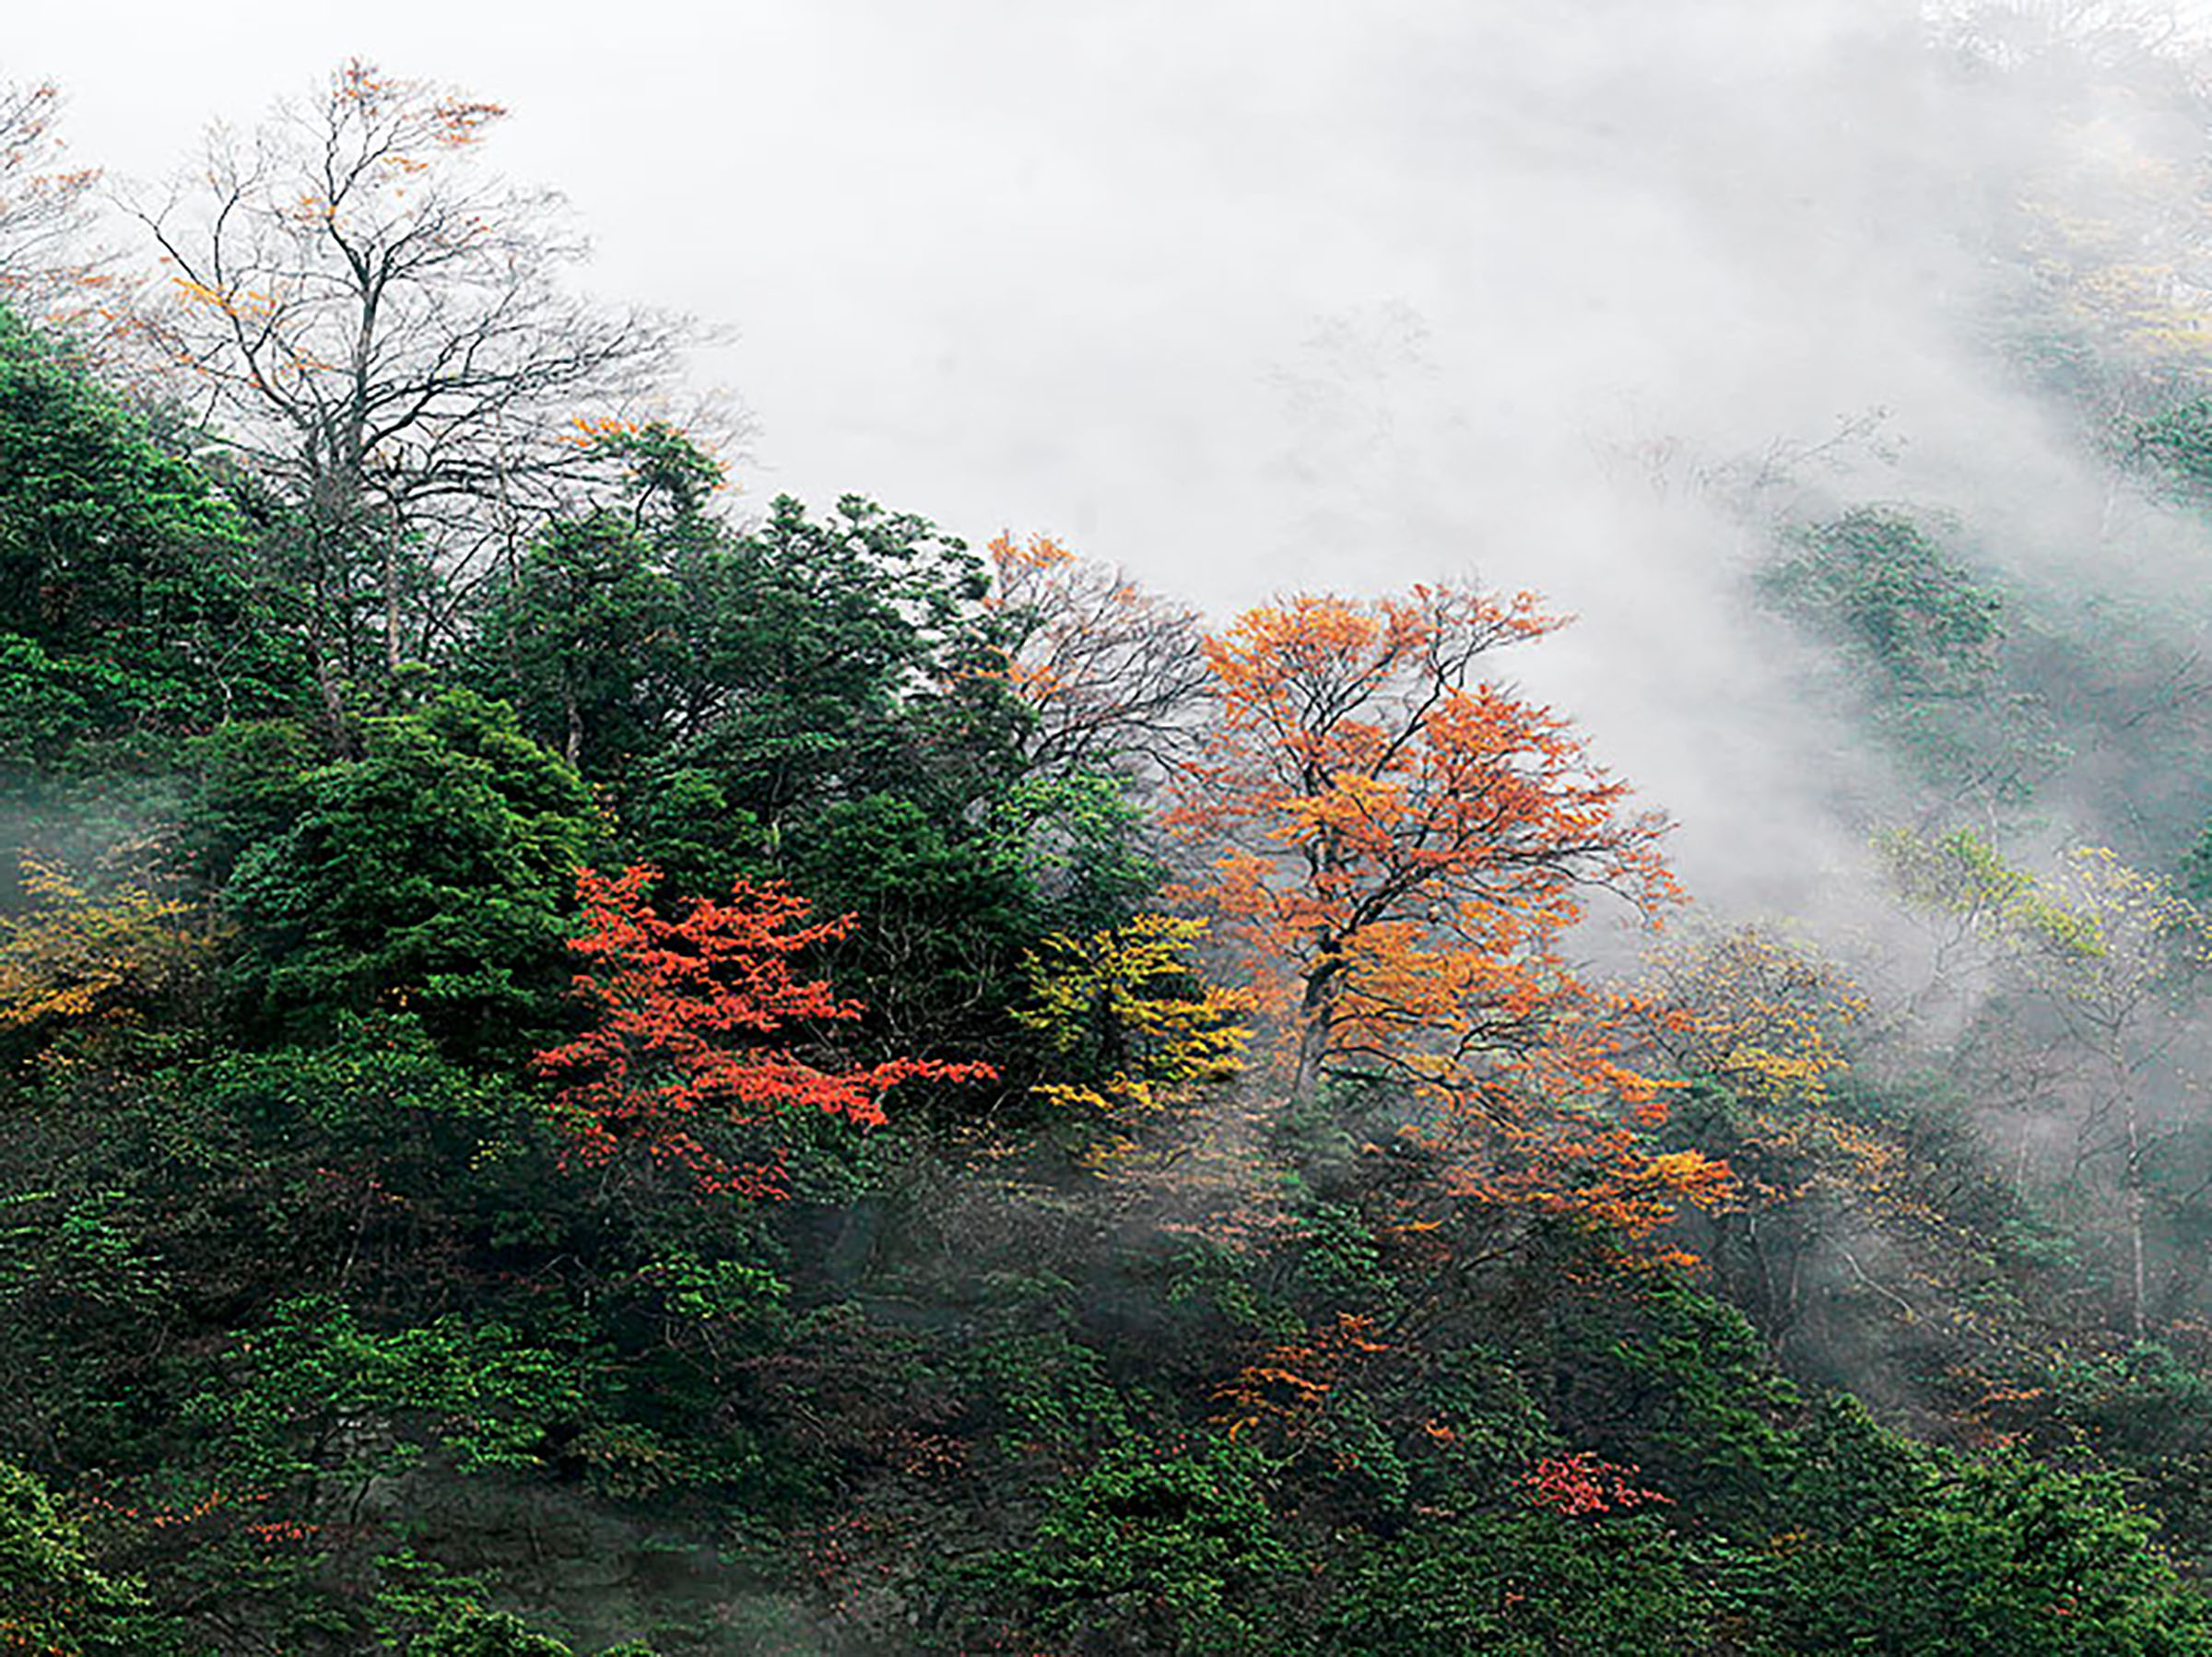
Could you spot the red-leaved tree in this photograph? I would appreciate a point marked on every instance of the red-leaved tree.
(689, 1057)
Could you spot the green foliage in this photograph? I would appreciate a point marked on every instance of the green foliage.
(680, 820)
(480, 1633)
(1339, 1260)
(2000, 1557)
(1928, 653)
(584, 645)
(47, 702)
(1052, 1392)
(944, 915)
(52, 1599)
(2145, 1411)
(60, 1250)
(1206, 1287)
(1960, 872)
(249, 785)
(2194, 881)
(432, 875)
(813, 644)
(1081, 844)
(1497, 1428)
(1522, 1582)
(1883, 584)
(376, 1105)
(1706, 1408)
(1157, 1546)
(312, 1394)
(2093, 921)
(667, 479)
(716, 1291)
(949, 909)
(2178, 446)
(123, 598)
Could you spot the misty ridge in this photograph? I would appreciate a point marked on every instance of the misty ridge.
(1473, 914)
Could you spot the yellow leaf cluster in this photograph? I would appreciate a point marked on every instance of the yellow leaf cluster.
(1125, 1012)
(74, 959)
(1760, 1015)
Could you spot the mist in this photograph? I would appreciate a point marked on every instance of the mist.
(1645, 308)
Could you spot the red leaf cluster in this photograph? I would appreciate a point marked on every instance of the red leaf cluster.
(1581, 1485)
(689, 1054)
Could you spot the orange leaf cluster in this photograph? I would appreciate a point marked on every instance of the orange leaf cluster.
(1285, 1388)
(1402, 846)
(1595, 1172)
(584, 430)
(78, 962)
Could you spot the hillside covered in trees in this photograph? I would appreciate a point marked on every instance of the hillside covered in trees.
(587, 1066)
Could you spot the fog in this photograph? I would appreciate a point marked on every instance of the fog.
(1615, 302)
(1246, 301)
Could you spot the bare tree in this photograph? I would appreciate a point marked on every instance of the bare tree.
(1114, 675)
(45, 208)
(378, 328)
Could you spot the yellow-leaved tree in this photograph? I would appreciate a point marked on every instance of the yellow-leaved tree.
(80, 972)
(1125, 1020)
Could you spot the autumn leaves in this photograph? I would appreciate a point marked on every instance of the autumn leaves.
(688, 1055)
(1402, 846)
(1389, 850)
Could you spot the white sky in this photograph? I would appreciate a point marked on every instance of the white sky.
(1061, 266)
(1047, 266)
(990, 261)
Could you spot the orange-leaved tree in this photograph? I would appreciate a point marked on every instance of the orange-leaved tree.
(1402, 844)
(689, 1057)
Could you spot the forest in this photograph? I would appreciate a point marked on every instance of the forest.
(589, 1065)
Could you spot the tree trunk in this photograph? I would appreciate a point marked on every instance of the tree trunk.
(1313, 1048)
(2135, 1218)
(391, 574)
